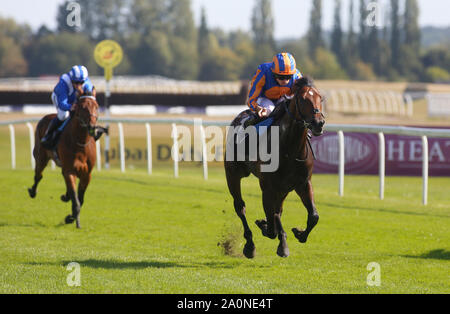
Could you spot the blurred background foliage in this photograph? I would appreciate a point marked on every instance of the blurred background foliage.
(160, 37)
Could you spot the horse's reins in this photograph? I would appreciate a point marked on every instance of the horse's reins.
(306, 124)
(87, 125)
(302, 120)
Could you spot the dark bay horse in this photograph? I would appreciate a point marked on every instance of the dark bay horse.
(294, 118)
(76, 151)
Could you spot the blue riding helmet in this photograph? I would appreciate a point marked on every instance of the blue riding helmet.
(78, 74)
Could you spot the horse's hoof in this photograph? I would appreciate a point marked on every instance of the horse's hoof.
(69, 219)
(249, 250)
(65, 198)
(262, 224)
(32, 193)
(301, 235)
(282, 252)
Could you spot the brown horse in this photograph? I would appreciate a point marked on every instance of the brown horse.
(76, 153)
(294, 118)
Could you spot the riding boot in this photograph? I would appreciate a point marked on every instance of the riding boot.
(253, 119)
(48, 141)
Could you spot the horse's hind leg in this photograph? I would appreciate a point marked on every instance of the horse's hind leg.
(70, 179)
(234, 185)
(41, 162)
(307, 195)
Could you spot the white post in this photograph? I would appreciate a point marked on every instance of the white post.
(409, 105)
(31, 133)
(108, 114)
(149, 149)
(99, 155)
(382, 162)
(13, 146)
(425, 170)
(204, 154)
(121, 147)
(341, 162)
(175, 149)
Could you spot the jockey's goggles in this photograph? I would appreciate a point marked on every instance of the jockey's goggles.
(283, 77)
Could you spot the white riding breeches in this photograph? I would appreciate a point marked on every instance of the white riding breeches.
(61, 114)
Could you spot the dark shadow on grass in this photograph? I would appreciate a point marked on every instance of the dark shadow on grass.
(35, 225)
(440, 254)
(382, 210)
(115, 264)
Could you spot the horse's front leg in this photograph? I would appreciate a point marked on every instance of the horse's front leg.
(272, 228)
(70, 179)
(82, 186)
(307, 196)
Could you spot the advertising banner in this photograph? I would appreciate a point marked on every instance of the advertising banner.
(403, 154)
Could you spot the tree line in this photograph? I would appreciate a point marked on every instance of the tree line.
(160, 37)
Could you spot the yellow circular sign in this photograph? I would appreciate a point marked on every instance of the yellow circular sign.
(108, 54)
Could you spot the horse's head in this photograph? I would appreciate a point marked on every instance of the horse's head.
(308, 105)
(86, 112)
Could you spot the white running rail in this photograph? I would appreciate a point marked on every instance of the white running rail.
(341, 129)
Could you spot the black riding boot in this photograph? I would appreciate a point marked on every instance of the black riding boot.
(48, 141)
(253, 119)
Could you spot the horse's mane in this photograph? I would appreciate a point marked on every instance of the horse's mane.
(279, 111)
(302, 82)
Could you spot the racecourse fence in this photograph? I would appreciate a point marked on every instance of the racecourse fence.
(369, 102)
(424, 133)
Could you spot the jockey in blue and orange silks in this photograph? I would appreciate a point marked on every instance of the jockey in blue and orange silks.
(271, 83)
(64, 96)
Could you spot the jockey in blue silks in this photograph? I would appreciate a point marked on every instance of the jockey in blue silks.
(64, 96)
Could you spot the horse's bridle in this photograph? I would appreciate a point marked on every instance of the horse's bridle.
(83, 124)
(305, 124)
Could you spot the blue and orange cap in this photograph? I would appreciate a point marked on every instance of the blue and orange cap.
(284, 64)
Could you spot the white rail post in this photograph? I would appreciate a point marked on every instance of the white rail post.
(31, 133)
(99, 155)
(175, 149)
(149, 149)
(13, 146)
(53, 165)
(382, 162)
(108, 114)
(121, 147)
(204, 154)
(425, 170)
(409, 105)
(341, 162)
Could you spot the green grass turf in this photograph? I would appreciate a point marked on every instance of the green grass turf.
(158, 234)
